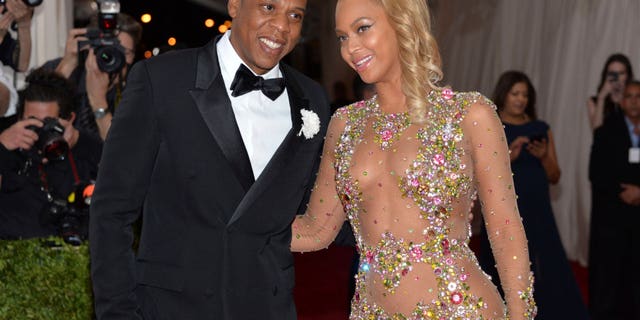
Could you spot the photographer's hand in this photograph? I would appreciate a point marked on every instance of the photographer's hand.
(607, 88)
(21, 12)
(70, 59)
(5, 23)
(596, 108)
(18, 136)
(71, 134)
(97, 84)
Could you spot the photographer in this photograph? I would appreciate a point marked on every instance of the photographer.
(43, 158)
(617, 72)
(12, 53)
(99, 91)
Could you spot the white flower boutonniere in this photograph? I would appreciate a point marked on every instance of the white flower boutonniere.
(310, 124)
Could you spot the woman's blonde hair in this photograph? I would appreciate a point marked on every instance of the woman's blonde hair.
(419, 55)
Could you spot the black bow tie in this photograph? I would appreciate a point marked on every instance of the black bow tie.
(245, 81)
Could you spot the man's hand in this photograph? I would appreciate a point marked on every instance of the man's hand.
(20, 11)
(71, 134)
(97, 82)
(70, 59)
(19, 136)
(5, 23)
(630, 194)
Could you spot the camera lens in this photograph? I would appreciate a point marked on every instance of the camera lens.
(51, 142)
(110, 58)
(33, 3)
(30, 3)
(55, 149)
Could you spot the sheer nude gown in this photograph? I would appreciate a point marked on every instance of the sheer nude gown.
(407, 190)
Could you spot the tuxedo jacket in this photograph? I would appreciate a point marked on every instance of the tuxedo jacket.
(608, 168)
(214, 244)
(613, 237)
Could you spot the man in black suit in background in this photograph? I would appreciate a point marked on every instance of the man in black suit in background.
(218, 161)
(614, 170)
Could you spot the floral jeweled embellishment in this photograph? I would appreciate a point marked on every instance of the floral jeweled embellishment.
(447, 94)
(388, 126)
(310, 124)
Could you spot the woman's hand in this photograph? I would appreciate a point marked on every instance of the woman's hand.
(516, 147)
(606, 89)
(538, 148)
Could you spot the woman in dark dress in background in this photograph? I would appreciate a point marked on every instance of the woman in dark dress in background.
(534, 164)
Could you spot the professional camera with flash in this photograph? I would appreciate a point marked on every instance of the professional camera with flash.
(104, 40)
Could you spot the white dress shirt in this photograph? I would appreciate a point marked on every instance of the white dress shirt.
(263, 123)
(635, 140)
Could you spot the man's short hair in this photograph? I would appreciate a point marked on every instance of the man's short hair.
(46, 85)
(633, 82)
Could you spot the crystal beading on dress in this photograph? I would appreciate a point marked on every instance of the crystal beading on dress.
(387, 127)
(408, 196)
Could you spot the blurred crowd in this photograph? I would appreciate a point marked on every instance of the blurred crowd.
(52, 129)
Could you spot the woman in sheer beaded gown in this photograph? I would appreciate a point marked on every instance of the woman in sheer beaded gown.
(405, 167)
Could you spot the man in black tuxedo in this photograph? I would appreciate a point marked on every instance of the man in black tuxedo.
(218, 161)
(614, 170)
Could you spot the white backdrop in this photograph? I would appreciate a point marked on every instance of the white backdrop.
(562, 46)
(51, 24)
(49, 27)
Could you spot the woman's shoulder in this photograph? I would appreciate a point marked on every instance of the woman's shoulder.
(353, 112)
(471, 100)
(461, 104)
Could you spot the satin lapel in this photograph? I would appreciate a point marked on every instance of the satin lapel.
(286, 151)
(215, 107)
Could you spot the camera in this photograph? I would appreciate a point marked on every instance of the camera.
(71, 215)
(51, 144)
(613, 75)
(30, 3)
(104, 40)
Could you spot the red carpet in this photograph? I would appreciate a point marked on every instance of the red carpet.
(322, 278)
(322, 283)
(582, 276)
